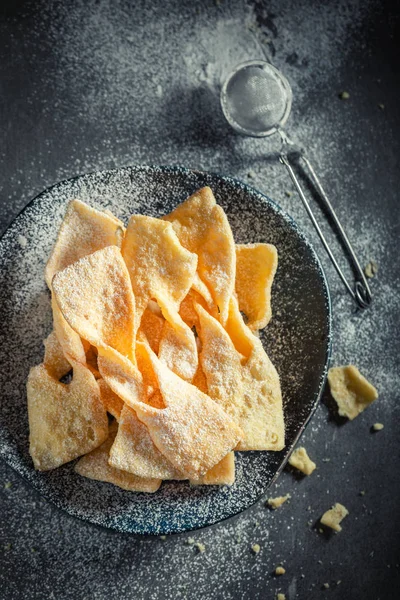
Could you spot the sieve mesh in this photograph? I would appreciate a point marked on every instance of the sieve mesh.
(256, 99)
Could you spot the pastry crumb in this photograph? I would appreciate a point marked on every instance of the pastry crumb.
(7, 485)
(377, 426)
(200, 547)
(326, 586)
(381, 106)
(301, 461)
(280, 570)
(350, 390)
(362, 493)
(256, 548)
(344, 95)
(339, 581)
(163, 537)
(190, 541)
(371, 269)
(278, 501)
(288, 193)
(251, 174)
(280, 596)
(333, 517)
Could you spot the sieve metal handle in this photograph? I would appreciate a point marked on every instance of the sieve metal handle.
(361, 293)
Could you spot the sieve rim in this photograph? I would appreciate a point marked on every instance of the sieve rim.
(267, 66)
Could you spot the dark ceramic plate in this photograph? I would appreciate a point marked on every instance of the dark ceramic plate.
(297, 340)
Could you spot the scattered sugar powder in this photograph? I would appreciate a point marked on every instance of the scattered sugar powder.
(22, 241)
(107, 64)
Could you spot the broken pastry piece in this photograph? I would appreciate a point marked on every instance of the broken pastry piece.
(334, 516)
(377, 426)
(95, 465)
(278, 501)
(351, 391)
(371, 269)
(300, 460)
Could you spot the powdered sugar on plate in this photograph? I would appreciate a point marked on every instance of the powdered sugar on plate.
(297, 341)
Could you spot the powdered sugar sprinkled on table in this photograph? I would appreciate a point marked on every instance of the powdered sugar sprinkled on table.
(105, 121)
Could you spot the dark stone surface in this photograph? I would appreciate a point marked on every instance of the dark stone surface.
(87, 85)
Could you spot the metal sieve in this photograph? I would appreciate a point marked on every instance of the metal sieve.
(256, 100)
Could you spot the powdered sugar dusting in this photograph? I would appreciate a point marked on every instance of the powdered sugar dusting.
(94, 70)
(252, 218)
(22, 241)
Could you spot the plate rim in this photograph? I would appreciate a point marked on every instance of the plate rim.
(236, 181)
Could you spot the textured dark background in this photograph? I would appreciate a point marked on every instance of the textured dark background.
(96, 84)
